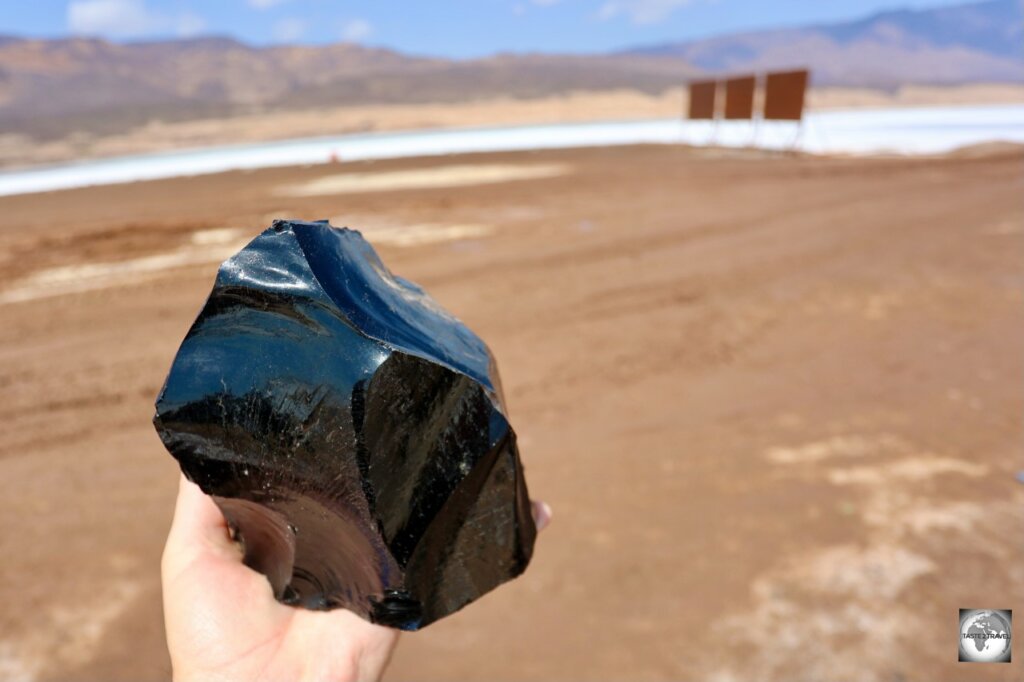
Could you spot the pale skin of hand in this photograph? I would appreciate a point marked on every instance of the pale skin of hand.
(223, 622)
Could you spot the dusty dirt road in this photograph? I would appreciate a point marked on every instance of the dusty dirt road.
(775, 402)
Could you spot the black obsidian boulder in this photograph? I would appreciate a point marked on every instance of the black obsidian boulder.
(350, 430)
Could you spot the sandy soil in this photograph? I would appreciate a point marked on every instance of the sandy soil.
(17, 150)
(774, 401)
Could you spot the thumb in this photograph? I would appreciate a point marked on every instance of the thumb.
(198, 531)
(207, 590)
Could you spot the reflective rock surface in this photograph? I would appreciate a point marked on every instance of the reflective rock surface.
(351, 430)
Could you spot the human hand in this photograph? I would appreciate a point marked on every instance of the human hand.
(223, 622)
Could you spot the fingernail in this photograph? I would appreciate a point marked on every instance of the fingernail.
(541, 514)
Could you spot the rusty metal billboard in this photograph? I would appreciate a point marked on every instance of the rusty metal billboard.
(739, 97)
(784, 94)
(702, 99)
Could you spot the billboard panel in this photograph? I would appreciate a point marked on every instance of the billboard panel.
(784, 94)
(739, 97)
(702, 99)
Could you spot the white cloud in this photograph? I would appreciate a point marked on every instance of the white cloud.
(266, 4)
(641, 11)
(188, 25)
(356, 30)
(115, 18)
(289, 30)
(521, 8)
(128, 19)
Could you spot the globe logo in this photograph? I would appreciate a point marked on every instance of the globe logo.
(985, 635)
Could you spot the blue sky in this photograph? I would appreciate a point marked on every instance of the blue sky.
(454, 28)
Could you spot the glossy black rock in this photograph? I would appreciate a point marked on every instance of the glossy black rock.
(351, 430)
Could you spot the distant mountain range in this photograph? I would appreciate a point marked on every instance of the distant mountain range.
(51, 87)
(981, 42)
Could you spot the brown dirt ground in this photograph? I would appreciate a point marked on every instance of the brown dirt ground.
(775, 402)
